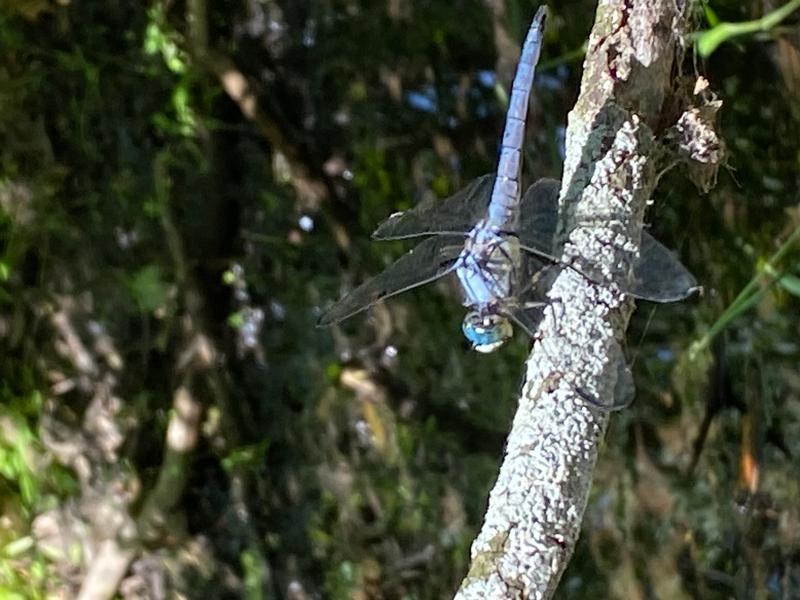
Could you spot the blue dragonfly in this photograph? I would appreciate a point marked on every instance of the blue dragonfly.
(495, 240)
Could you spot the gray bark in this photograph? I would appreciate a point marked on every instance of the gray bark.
(537, 504)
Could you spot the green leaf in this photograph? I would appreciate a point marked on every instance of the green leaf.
(252, 454)
(236, 320)
(711, 39)
(157, 40)
(181, 102)
(711, 16)
(333, 371)
(148, 289)
(791, 283)
(708, 41)
(18, 546)
(153, 39)
(255, 575)
(229, 277)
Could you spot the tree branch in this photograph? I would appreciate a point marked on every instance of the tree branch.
(536, 507)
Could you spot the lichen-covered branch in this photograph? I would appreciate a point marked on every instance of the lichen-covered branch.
(536, 507)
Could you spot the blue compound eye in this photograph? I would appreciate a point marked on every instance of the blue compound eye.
(486, 332)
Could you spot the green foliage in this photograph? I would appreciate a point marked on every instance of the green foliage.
(148, 288)
(721, 32)
(16, 462)
(29, 483)
(248, 456)
(751, 294)
(254, 576)
(343, 580)
(790, 283)
(26, 473)
(356, 461)
(160, 39)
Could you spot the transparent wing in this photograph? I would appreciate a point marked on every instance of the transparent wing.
(456, 214)
(539, 217)
(658, 275)
(528, 318)
(537, 278)
(538, 221)
(624, 389)
(426, 262)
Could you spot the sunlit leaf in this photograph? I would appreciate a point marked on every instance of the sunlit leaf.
(158, 41)
(236, 320)
(711, 16)
(18, 546)
(148, 289)
(250, 455)
(791, 283)
(708, 41)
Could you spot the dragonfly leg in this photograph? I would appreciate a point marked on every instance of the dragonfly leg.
(556, 262)
(621, 405)
(532, 282)
(524, 320)
(533, 304)
(540, 253)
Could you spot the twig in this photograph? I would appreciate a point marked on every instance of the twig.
(536, 507)
(239, 89)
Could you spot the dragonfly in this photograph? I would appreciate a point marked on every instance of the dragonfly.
(494, 238)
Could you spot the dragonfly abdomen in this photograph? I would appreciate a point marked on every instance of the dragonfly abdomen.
(504, 205)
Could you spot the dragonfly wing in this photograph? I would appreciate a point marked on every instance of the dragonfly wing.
(456, 214)
(624, 389)
(658, 275)
(428, 261)
(528, 318)
(539, 217)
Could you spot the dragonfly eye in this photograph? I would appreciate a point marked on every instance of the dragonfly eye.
(486, 332)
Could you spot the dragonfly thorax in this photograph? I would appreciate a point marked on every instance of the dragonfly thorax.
(488, 266)
(486, 332)
(487, 270)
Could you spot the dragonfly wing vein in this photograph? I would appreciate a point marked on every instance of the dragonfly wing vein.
(426, 262)
(658, 275)
(456, 214)
(539, 217)
(528, 318)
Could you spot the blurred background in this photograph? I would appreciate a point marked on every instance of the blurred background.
(183, 189)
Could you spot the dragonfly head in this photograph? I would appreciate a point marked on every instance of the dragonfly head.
(486, 332)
